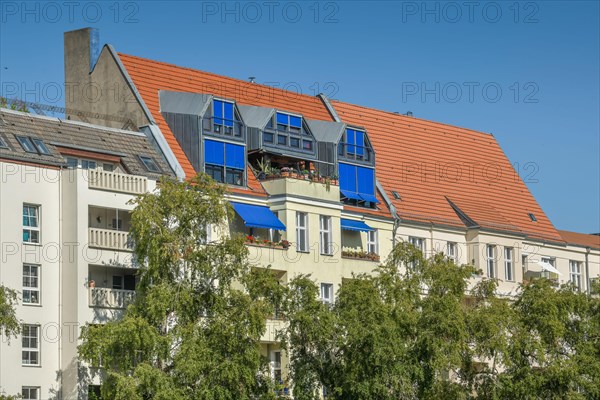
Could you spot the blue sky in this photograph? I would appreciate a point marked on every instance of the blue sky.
(527, 72)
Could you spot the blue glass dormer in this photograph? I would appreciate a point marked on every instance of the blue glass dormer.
(355, 146)
(289, 134)
(225, 162)
(222, 118)
(357, 184)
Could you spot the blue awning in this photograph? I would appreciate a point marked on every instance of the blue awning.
(369, 197)
(350, 195)
(352, 225)
(258, 216)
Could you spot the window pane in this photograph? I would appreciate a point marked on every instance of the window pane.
(282, 140)
(294, 142)
(307, 144)
(268, 137)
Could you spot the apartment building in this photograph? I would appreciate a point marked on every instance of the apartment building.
(64, 212)
(329, 186)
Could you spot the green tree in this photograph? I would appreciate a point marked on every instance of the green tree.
(9, 324)
(194, 330)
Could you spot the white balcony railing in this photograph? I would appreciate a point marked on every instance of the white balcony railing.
(104, 180)
(110, 298)
(108, 239)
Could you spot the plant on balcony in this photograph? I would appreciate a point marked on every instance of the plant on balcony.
(363, 255)
(177, 338)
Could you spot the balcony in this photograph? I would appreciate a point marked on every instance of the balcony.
(108, 239)
(273, 326)
(359, 254)
(115, 182)
(110, 298)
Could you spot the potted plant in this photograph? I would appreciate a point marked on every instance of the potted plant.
(285, 244)
(286, 172)
(249, 238)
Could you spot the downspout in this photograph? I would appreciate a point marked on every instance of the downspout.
(587, 270)
(60, 276)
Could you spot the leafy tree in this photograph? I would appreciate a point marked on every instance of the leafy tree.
(9, 324)
(194, 329)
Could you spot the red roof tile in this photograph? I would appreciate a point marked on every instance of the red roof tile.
(426, 161)
(581, 239)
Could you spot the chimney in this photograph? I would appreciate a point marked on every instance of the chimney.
(82, 48)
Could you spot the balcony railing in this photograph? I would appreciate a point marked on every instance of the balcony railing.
(109, 239)
(110, 298)
(114, 182)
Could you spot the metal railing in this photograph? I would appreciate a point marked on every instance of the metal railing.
(356, 153)
(115, 182)
(222, 126)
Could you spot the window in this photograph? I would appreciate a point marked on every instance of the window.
(451, 251)
(532, 217)
(325, 234)
(225, 162)
(31, 224)
(117, 282)
(88, 164)
(301, 231)
(490, 252)
(150, 164)
(72, 162)
(3, 144)
(357, 183)
(372, 242)
(31, 345)
(282, 140)
(396, 195)
(31, 284)
(419, 243)
(355, 143)
(223, 117)
(30, 393)
(108, 167)
(509, 271)
(40, 146)
(276, 363)
(327, 293)
(294, 142)
(268, 137)
(307, 144)
(575, 273)
(26, 144)
(290, 123)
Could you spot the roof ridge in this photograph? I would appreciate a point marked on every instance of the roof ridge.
(405, 117)
(220, 76)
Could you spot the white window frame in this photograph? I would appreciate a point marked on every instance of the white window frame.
(28, 276)
(88, 164)
(26, 341)
(451, 251)
(276, 365)
(327, 293)
(373, 241)
(302, 231)
(490, 260)
(35, 390)
(418, 242)
(325, 235)
(575, 273)
(32, 228)
(509, 269)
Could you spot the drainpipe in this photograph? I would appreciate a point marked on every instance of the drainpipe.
(587, 270)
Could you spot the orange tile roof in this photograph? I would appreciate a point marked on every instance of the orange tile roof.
(426, 161)
(581, 239)
(150, 76)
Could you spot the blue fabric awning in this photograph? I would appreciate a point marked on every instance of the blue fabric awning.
(369, 197)
(258, 216)
(352, 225)
(350, 195)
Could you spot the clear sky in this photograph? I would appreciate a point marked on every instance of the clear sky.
(528, 72)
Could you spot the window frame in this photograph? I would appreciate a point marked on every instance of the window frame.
(40, 146)
(422, 246)
(302, 230)
(452, 254)
(3, 143)
(29, 228)
(26, 144)
(29, 388)
(490, 261)
(509, 264)
(150, 164)
(329, 290)
(373, 242)
(31, 289)
(325, 235)
(575, 276)
(30, 350)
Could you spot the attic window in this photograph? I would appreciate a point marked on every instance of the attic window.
(40, 146)
(26, 144)
(150, 164)
(223, 116)
(396, 195)
(3, 144)
(532, 217)
(290, 123)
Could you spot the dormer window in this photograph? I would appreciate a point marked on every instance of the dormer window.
(225, 162)
(354, 145)
(33, 145)
(289, 123)
(357, 185)
(223, 116)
